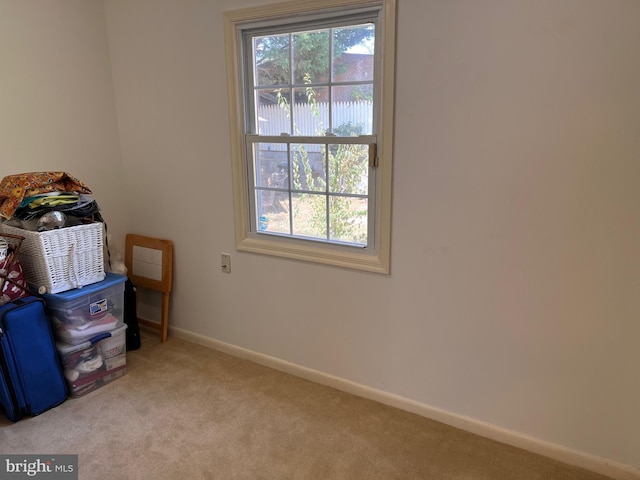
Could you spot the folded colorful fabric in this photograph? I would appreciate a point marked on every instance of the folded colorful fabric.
(12, 281)
(14, 188)
(52, 200)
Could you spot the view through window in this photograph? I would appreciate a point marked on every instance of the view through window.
(320, 84)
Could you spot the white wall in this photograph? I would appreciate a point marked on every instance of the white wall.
(513, 297)
(56, 98)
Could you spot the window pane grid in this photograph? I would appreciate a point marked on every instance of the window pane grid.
(299, 189)
(305, 70)
(311, 120)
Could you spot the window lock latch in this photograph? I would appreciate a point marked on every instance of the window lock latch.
(373, 155)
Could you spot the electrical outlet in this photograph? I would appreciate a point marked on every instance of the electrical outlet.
(225, 262)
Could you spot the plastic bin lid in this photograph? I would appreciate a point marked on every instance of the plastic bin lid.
(110, 280)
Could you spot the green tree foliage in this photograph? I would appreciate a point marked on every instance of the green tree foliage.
(278, 57)
(333, 197)
(345, 171)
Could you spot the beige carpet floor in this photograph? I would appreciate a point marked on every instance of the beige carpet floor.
(183, 411)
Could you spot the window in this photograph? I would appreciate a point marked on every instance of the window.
(310, 89)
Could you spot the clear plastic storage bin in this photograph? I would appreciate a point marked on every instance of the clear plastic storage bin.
(80, 314)
(92, 364)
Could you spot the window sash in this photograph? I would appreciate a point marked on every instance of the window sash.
(252, 139)
(365, 15)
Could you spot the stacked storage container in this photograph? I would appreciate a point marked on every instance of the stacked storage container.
(61, 257)
(88, 324)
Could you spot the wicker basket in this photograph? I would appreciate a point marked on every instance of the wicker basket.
(59, 260)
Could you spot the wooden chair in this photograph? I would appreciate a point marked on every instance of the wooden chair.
(149, 263)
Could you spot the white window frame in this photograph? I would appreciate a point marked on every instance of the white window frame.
(375, 258)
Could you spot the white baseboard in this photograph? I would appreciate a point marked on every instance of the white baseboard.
(580, 459)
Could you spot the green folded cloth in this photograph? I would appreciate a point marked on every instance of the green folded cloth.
(53, 200)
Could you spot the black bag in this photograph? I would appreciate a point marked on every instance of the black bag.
(131, 316)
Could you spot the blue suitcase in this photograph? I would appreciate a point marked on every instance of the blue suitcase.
(31, 378)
